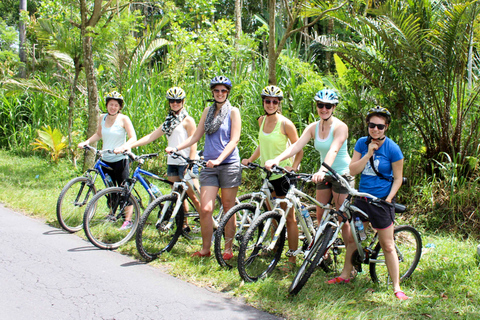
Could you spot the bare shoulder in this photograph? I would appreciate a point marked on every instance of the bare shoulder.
(340, 125)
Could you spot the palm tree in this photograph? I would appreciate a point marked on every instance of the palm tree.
(417, 54)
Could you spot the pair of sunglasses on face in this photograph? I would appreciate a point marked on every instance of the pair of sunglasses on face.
(372, 125)
(175, 100)
(220, 90)
(274, 102)
(326, 106)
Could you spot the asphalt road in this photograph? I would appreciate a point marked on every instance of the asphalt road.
(48, 274)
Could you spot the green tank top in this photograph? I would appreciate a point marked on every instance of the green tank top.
(272, 145)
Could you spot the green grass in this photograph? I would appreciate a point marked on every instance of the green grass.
(444, 286)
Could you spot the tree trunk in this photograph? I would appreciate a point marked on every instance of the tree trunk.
(272, 57)
(93, 110)
(21, 39)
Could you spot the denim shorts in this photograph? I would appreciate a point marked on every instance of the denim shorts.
(174, 170)
(228, 175)
(330, 183)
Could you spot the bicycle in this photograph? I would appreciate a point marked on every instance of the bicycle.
(258, 203)
(408, 242)
(78, 191)
(105, 213)
(262, 245)
(162, 222)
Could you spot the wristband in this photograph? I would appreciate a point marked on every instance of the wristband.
(176, 149)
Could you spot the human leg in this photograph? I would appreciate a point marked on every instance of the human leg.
(228, 201)
(207, 203)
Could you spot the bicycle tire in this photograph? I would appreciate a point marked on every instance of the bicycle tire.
(72, 201)
(220, 243)
(311, 261)
(254, 260)
(102, 225)
(408, 244)
(152, 237)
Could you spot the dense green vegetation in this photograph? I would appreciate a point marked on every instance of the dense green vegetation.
(394, 53)
(443, 286)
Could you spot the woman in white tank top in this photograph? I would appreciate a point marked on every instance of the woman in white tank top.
(177, 127)
(113, 129)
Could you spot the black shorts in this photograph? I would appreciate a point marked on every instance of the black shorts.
(281, 186)
(380, 217)
(119, 172)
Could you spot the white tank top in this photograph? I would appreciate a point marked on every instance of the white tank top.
(178, 135)
(113, 137)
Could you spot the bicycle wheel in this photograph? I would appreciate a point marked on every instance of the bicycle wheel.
(105, 215)
(243, 214)
(312, 260)
(255, 259)
(72, 201)
(154, 235)
(408, 244)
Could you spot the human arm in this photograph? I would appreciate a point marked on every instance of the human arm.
(255, 155)
(294, 148)
(95, 137)
(199, 131)
(127, 124)
(292, 135)
(397, 168)
(154, 135)
(189, 125)
(236, 126)
(358, 163)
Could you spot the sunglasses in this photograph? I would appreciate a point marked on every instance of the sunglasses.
(274, 102)
(326, 106)
(220, 90)
(175, 100)
(372, 125)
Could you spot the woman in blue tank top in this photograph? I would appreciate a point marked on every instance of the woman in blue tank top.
(113, 128)
(330, 138)
(221, 125)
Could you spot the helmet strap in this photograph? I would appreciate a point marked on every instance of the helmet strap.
(324, 121)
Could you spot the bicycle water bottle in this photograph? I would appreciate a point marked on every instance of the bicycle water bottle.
(108, 180)
(307, 217)
(360, 229)
(155, 190)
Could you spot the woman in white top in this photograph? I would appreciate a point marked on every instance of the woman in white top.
(177, 127)
(113, 128)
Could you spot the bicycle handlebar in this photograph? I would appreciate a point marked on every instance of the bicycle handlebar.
(199, 162)
(307, 177)
(354, 192)
(96, 151)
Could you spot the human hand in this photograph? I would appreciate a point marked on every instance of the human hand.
(270, 163)
(212, 163)
(318, 176)
(290, 169)
(246, 162)
(82, 144)
(373, 146)
(121, 150)
(169, 150)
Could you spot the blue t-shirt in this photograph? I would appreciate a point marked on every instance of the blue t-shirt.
(383, 158)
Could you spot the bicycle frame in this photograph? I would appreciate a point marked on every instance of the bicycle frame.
(292, 200)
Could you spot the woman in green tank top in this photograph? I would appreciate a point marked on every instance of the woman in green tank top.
(273, 137)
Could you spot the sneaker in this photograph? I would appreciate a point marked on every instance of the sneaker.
(126, 225)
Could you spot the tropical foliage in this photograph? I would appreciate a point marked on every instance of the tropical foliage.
(418, 58)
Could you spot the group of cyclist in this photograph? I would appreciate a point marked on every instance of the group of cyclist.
(377, 158)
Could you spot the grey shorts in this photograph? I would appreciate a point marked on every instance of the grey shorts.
(226, 176)
(330, 183)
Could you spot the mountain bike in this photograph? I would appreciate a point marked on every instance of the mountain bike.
(251, 206)
(105, 213)
(262, 245)
(408, 241)
(162, 223)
